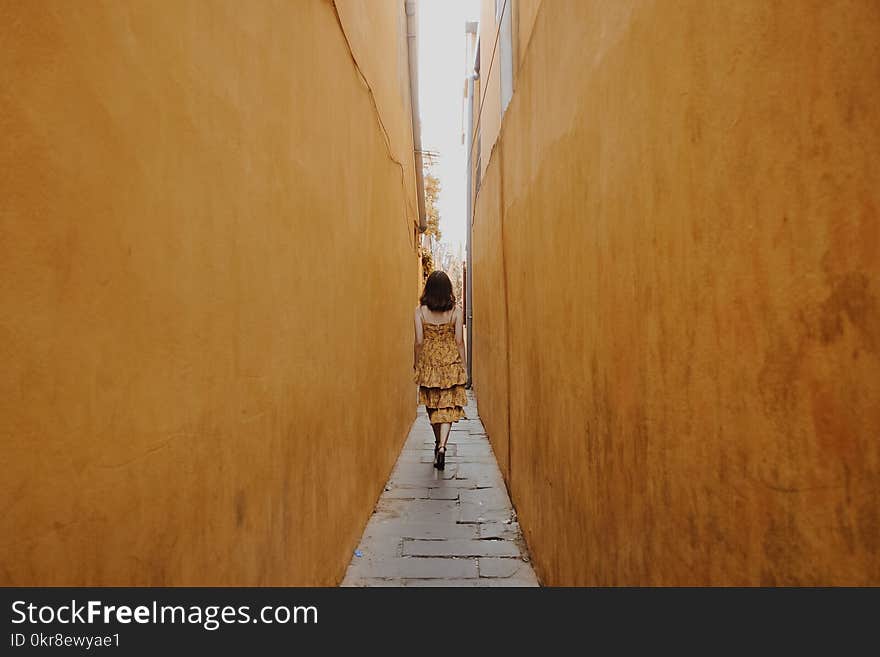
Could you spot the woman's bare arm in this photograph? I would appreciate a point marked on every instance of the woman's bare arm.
(419, 337)
(459, 334)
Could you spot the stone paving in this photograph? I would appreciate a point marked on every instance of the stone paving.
(450, 528)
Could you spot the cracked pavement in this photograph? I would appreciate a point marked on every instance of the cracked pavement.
(450, 528)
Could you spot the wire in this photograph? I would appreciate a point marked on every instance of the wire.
(413, 240)
(488, 76)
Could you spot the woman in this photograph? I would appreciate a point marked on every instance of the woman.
(439, 359)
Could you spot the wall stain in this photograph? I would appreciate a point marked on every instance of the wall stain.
(869, 523)
(850, 298)
(777, 379)
(240, 508)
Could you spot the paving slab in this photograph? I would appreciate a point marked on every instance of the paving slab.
(444, 493)
(450, 528)
(370, 582)
(406, 494)
(517, 582)
(507, 530)
(461, 548)
(420, 529)
(505, 568)
(413, 568)
(439, 583)
(404, 482)
(475, 449)
(482, 474)
(485, 505)
(379, 545)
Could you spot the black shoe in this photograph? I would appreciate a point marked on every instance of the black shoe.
(440, 463)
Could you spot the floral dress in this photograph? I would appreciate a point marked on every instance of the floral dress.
(440, 373)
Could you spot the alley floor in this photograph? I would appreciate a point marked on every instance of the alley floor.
(450, 528)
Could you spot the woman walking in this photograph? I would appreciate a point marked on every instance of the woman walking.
(439, 359)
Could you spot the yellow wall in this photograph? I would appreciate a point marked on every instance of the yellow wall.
(490, 315)
(525, 12)
(207, 275)
(376, 32)
(490, 84)
(692, 243)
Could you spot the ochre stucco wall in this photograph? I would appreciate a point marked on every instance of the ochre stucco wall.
(490, 344)
(376, 32)
(525, 12)
(490, 83)
(692, 247)
(207, 278)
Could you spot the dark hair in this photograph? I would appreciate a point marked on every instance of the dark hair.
(438, 295)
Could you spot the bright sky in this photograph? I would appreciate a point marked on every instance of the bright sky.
(441, 83)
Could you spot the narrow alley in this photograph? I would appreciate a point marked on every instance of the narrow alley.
(659, 223)
(450, 528)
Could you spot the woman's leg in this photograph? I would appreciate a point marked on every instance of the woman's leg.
(436, 428)
(440, 461)
(444, 434)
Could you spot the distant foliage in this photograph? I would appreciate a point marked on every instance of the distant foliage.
(427, 262)
(432, 193)
(458, 282)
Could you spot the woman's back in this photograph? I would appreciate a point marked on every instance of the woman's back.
(439, 346)
(441, 317)
(440, 362)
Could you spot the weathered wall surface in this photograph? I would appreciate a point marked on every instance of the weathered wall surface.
(692, 246)
(376, 33)
(490, 83)
(198, 208)
(525, 12)
(490, 311)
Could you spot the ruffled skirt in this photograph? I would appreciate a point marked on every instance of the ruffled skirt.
(444, 404)
(442, 391)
